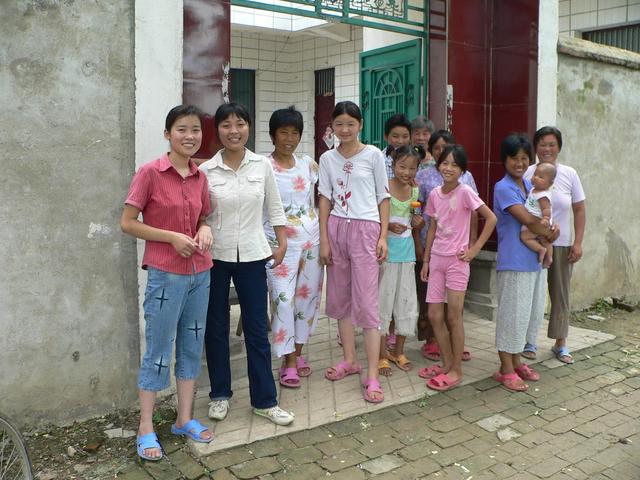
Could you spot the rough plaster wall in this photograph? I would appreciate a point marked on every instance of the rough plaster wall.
(285, 66)
(68, 309)
(598, 105)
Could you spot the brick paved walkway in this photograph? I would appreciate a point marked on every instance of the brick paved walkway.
(578, 422)
(319, 401)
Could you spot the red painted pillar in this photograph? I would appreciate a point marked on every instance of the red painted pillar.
(205, 64)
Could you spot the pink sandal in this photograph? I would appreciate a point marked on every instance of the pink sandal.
(511, 381)
(370, 386)
(431, 351)
(341, 370)
(443, 382)
(430, 372)
(525, 372)
(289, 377)
(304, 370)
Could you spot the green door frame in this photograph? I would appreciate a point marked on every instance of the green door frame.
(390, 15)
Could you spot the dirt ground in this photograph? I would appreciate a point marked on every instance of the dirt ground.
(83, 451)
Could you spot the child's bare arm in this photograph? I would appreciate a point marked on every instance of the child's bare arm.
(489, 225)
(325, 249)
(431, 235)
(545, 208)
(129, 223)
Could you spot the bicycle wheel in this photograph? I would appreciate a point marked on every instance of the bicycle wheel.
(14, 458)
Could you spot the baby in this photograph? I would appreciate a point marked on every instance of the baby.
(538, 204)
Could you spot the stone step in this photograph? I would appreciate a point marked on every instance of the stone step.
(482, 304)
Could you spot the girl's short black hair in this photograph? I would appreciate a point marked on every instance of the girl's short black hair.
(285, 117)
(225, 110)
(512, 144)
(543, 132)
(181, 111)
(396, 154)
(347, 107)
(446, 135)
(397, 120)
(459, 156)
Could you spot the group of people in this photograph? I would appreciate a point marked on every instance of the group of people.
(395, 230)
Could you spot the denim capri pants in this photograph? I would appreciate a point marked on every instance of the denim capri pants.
(175, 310)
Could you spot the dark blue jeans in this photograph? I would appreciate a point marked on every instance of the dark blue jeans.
(250, 280)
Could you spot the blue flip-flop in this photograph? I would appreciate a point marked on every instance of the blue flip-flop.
(192, 429)
(150, 440)
(562, 351)
(529, 351)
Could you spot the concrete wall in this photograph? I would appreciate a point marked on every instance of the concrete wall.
(68, 285)
(598, 105)
(285, 66)
(577, 16)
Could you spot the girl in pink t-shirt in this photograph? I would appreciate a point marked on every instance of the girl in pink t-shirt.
(446, 262)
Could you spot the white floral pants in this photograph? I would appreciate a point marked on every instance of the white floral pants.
(295, 288)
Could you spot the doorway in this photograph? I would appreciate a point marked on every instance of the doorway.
(324, 102)
(389, 84)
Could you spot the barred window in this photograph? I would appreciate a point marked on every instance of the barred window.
(626, 37)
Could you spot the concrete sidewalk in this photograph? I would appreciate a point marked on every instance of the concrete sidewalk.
(578, 422)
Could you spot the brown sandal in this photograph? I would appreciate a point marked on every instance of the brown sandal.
(384, 367)
(401, 361)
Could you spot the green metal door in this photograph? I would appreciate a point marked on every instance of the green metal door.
(389, 83)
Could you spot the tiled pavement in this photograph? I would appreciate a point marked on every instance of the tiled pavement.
(578, 422)
(319, 401)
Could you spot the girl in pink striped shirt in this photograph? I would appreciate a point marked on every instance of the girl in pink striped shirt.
(172, 195)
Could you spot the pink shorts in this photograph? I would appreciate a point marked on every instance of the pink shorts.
(446, 273)
(352, 278)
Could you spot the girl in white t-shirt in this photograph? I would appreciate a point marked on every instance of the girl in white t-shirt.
(538, 204)
(354, 218)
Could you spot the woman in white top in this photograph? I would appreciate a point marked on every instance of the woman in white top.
(295, 286)
(241, 186)
(567, 197)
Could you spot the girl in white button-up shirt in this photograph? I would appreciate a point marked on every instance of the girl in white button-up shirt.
(241, 187)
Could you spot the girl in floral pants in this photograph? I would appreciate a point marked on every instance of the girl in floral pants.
(295, 285)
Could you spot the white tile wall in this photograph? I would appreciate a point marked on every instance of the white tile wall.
(582, 6)
(612, 16)
(584, 21)
(577, 16)
(285, 66)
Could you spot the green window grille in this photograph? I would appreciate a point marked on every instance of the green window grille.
(409, 17)
(243, 90)
(626, 37)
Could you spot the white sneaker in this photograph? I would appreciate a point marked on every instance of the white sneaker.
(218, 409)
(276, 415)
